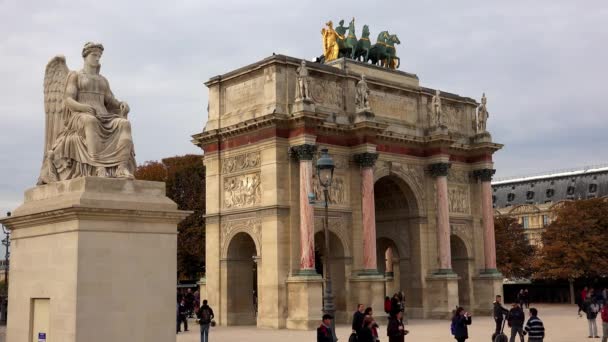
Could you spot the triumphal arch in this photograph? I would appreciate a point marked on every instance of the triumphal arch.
(410, 204)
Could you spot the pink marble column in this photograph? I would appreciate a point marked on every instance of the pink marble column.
(440, 172)
(368, 209)
(304, 154)
(487, 212)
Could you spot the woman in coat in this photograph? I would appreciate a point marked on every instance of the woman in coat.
(366, 335)
(460, 321)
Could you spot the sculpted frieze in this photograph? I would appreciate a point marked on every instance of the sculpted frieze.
(462, 231)
(338, 191)
(327, 93)
(242, 191)
(241, 162)
(459, 199)
(393, 106)
(458, 176)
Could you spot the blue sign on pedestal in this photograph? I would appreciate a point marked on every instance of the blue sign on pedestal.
(41, 337)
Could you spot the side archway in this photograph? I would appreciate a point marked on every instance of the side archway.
(462, 264)
(242, 284)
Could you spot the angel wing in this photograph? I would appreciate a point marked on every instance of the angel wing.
(55, 79)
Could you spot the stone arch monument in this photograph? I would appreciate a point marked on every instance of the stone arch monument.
(412, 175)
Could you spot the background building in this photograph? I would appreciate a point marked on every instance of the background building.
(531, 199)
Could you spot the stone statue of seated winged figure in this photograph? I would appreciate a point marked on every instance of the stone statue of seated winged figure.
(87, 131)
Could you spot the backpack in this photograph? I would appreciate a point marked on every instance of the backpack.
(387, 306)
(205, 316)
(453, 327)
(605, 314)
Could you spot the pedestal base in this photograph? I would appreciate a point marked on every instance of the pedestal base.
(368, 288)
(364, 115)
(486, 286)
(94, 259)
(304, 301)
(303, 105)
(442, 295)
(482, 137)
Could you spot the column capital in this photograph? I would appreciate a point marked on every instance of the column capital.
(439, 169)
(304, 151)
(366, 159)
(485, 175)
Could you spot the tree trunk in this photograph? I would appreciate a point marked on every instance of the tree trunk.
(571, 283)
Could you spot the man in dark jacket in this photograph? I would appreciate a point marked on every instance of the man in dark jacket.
(324, 333)
(358, 317)
(516, 322)
(205, 316)
(395, 329)
(183, 316)
(499, 314)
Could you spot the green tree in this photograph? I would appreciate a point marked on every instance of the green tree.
(185, 183)
(514, 253)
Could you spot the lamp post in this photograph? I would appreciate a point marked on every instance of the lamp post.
(6, 242)
(325, 174)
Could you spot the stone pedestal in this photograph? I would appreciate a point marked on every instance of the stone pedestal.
(304, 303)
(363, 115)
(94, 259)
(303, 105)
(486, 286)
(442, 298)
(368, 290)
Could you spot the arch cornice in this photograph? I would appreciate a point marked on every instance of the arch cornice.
(251, 227)
(411, 176)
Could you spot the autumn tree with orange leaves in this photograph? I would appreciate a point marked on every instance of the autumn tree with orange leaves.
(573, 244)
(514, 253)
(185, 183)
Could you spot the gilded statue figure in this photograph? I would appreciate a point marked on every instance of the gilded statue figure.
(482, 114)
(87, 131)
(331, 49)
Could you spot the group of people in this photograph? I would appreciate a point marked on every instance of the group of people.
(593, 302)
(187, 306)
(523, 298)
(365, 328)
(515, 319)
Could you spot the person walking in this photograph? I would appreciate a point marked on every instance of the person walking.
(516, 321)
(520, 297)
(369, 313)
(366, 334)
(177, 320)
(459, 323)
(205, 317)
(183, 315)
(527, 298)
(591, 308)
(604, 316)
(324, 333)
(358, 319)
(499, 315)
(396, 330)
(535, 327)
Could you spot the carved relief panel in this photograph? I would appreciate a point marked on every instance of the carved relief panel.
(241, 162)
(459, 199)
(338, 191)
(242, 191)
(458, 176)
(393, 106)
(328, 94)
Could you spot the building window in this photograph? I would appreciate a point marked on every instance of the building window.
(550, 193)
(592, 188)
(570, 190)
(510, 197)
(530, 195)
(545, 220)
(526, 222)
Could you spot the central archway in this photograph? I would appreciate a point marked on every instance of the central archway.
(398, 239)
(242, 280)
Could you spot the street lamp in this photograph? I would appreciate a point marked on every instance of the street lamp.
(6, 242)
(325, 174)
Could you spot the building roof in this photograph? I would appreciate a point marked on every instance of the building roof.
(588, 182)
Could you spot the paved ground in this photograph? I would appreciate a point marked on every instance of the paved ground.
(561, 322)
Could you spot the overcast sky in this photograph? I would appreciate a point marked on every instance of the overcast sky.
(542, 65)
